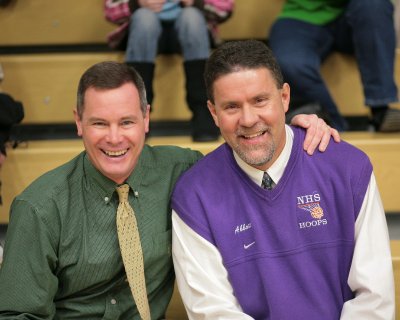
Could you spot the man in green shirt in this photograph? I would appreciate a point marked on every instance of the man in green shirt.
(62, 258)
(307, 31)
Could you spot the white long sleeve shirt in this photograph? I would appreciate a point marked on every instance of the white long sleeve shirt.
(203, 280)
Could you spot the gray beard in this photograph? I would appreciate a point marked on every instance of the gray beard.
(259, 161)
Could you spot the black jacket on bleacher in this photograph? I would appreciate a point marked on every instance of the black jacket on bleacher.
(11, 113)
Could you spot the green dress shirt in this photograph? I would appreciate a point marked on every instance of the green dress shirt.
(319, 12)
(62, 257)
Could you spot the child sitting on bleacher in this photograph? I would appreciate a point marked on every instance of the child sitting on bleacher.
(177, 26)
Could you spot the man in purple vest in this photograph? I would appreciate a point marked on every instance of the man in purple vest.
(261, 230)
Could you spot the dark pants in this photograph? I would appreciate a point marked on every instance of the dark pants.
(366, 29)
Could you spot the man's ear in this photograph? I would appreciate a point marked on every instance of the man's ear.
(285, 95)
(211, 108)
(147, 119)
(78, 123)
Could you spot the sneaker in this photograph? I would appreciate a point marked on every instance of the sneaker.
(390, 121)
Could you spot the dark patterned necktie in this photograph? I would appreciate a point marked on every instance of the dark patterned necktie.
(267, 182)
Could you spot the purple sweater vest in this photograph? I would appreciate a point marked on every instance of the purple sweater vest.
(288, 251)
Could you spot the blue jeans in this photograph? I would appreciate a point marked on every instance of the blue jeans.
(189, 31)
(366, 29)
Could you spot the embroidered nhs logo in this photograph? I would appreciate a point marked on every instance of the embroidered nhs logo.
(311, 204)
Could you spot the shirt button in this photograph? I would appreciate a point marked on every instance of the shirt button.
(106, 199)
(113, 301)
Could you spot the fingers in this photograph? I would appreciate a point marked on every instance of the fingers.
(335, 135)
(325, 136)
(318, 133)
(322, 137)
(303, 120)
(316, 136)
(308, 122)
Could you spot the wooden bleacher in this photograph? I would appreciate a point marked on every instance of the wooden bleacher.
(46, 84)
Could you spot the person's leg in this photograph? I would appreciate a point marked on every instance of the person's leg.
(300, 48)
(144, 32)
(367, 27)
(192, 33)
(191, 27)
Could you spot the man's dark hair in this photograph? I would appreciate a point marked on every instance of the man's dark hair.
(234, 56)
(109, 75)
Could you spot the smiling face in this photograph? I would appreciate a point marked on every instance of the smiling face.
(113, 129)
(249, 109)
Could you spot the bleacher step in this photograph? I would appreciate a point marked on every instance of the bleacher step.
(33, 158)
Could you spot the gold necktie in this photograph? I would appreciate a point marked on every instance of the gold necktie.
(131, 251)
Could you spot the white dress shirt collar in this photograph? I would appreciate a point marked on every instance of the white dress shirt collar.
(277, 168)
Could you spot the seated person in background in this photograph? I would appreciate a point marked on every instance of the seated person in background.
(307, 31)
(62, 257)
(171, 27)
(263, 231)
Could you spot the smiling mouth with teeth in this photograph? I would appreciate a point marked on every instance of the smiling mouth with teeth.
(115, 154)
(253, 135)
